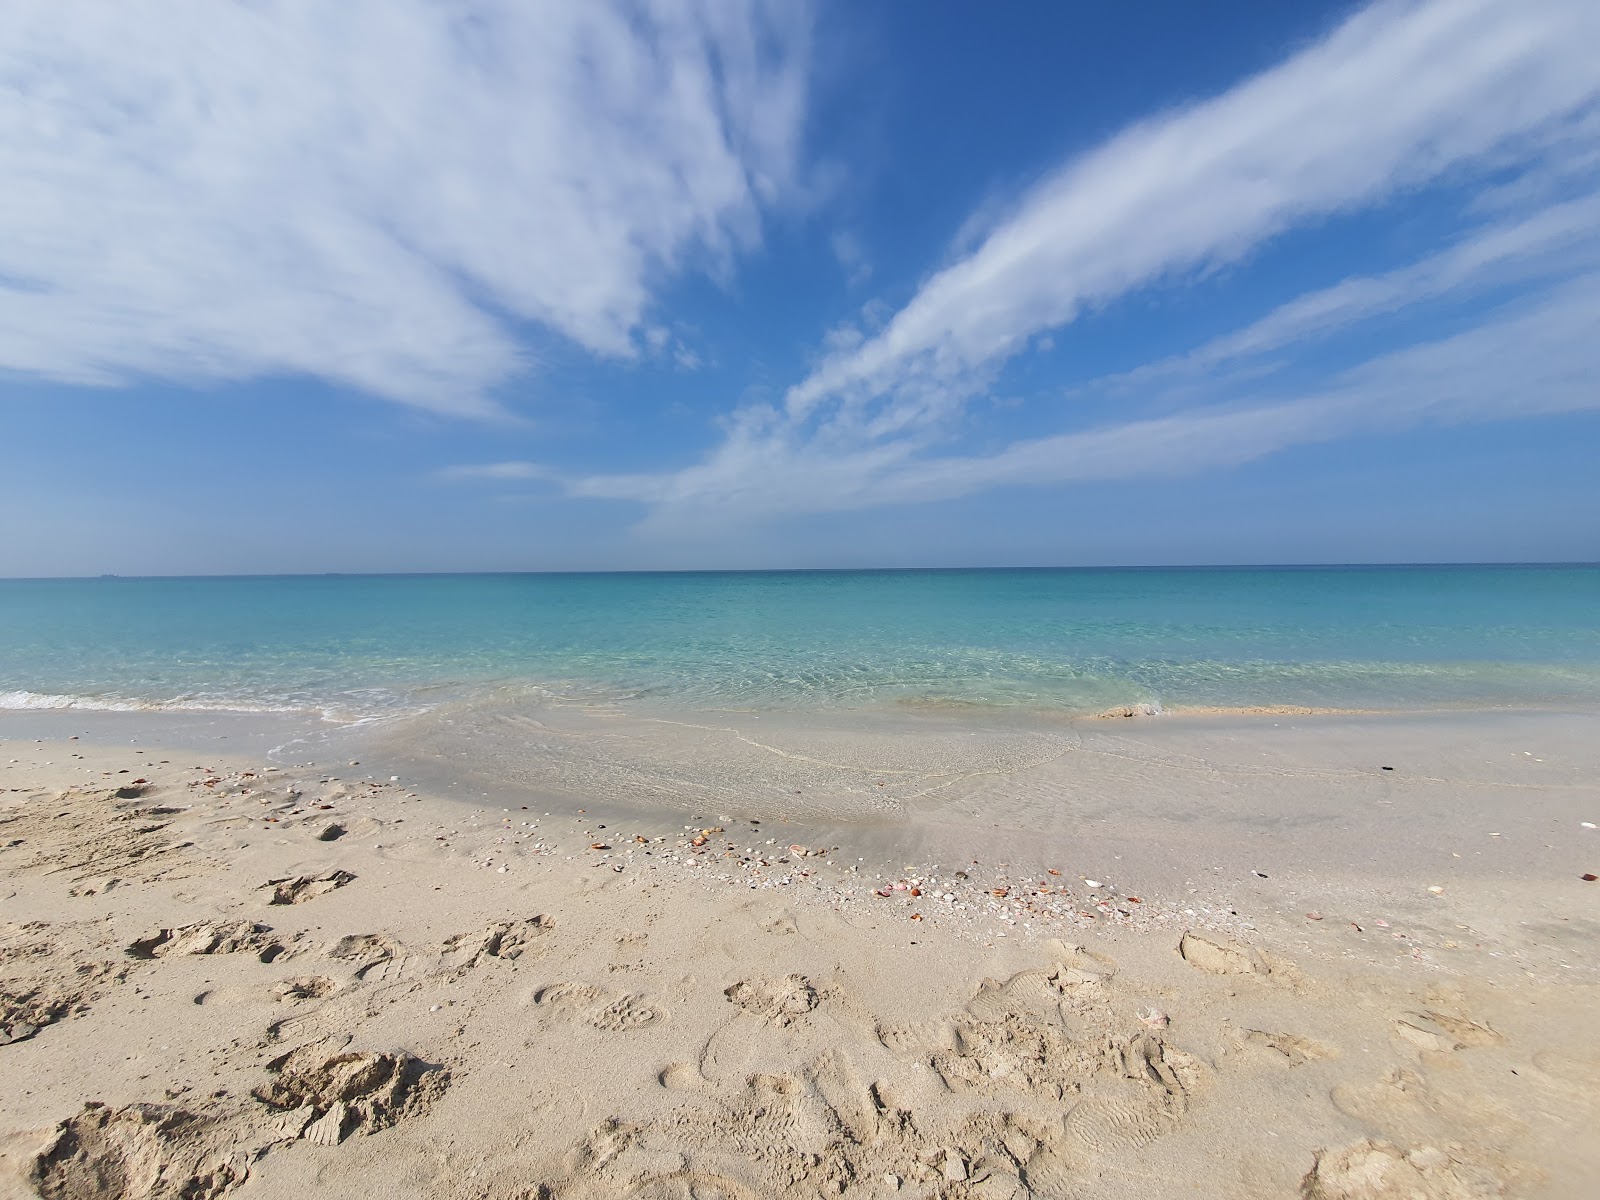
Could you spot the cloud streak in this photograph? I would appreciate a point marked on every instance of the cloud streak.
(1554, 241)
(1522, 365)
(1536, 361)
(378, 193)
(1399, 96)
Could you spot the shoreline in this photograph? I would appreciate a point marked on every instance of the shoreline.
(1252, 809)
(766, 1022)
(30, 702)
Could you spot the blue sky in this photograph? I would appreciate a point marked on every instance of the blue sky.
(412, 285)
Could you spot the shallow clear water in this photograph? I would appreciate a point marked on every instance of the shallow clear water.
(1051, 640)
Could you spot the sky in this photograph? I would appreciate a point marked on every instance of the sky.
(479, 285)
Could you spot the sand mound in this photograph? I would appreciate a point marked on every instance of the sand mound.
(141, 1150)
(333, 1096)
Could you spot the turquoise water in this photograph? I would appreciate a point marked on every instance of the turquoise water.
(354, 647)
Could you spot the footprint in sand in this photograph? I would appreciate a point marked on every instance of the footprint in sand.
(625, 1012)
(1120, 1115)
(1033, 993)
(604, 1010)
(1441, 1033)
(824, 1110)
(1053, 1172)
(1287, 1048)
(855, 1136)
(210, 937)
(1221, 958)
(1149, 1101)
(1468, 1033)
(1080, 960)
(617, 1159)
(681, 1077)
(1074, 983)
(835, 1079)
(298, 889)
(1563, 1065)
(1404, 1104)
(778, 1001)
(822, 1128)
(922, 1037)
(1374, 1170)
(505, 940)
(373, 956)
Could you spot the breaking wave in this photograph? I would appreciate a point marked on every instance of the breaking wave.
(28, 701)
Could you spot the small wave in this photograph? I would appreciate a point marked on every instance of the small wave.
(25, 701)
(37, 701)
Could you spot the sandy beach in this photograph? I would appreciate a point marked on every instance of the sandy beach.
(1278, 955)
(793, 600)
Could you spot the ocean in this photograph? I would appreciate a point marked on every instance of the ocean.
(1071, 641)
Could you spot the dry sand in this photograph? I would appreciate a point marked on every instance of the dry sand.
(223, 978)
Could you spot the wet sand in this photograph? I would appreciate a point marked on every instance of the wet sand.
(1188, 956)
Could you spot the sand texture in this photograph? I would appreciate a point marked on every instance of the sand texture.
(223, 979)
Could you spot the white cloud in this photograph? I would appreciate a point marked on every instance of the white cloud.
(1522, 363)
(1400, 95)
(1558, 240)
(1396, 96)
(374, 191)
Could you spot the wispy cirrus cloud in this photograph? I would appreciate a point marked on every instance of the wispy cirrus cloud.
(1401, 95)
(1556, 241)
(1525, 362)
(1398, 95)
(375, 192)
(1516, 364)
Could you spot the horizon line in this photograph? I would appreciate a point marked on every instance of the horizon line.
(1312, 566)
